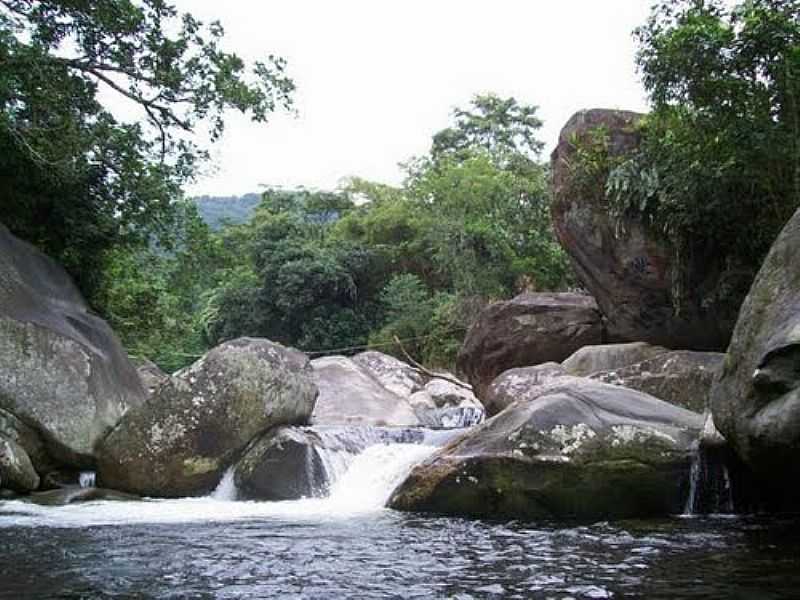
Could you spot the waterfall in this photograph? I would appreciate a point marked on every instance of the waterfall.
(373, 475)
(710, 485)
(87, 479)
(226, 488)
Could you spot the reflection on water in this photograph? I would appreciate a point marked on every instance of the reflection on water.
(180, 549)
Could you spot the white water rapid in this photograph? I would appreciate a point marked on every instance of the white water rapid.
(364, 485)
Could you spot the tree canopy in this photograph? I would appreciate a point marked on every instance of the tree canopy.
(77, 180)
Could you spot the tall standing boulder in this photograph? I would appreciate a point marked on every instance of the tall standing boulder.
(630, 269)
(194, 425)
(63, 371)
(528, 330)
(756, 401)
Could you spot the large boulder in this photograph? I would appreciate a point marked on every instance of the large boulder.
(681, 377)
(349, 394)
(630, 268)
(608, 357)
(179, 442)
(517, 384)
(756, 401)
(528, 330)
(62, 370)
(574, 449)
(396, 376)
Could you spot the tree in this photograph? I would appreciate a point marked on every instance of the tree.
(501, 127)
(77, 181)
(718, 171)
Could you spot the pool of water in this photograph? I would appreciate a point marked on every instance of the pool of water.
(209, 548)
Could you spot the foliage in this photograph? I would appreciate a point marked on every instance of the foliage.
(152, 297)
(76, 181)
(720, 155)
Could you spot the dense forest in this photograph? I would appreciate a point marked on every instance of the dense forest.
(363, 264)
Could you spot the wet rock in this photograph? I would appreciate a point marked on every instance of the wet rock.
(575, 449)
(62, 370)
(349, 394)
(395, 375)
(756, 401)
(630, 268)
(682, 377)
(284, 464)
(517, 384)
(179, 442)
(528, 330)
(443, 404)
(608, 357)
(16, 471)
(75, 495)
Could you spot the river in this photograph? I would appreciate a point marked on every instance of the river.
(349, 546)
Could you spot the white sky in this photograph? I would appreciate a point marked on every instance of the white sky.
(377, 78)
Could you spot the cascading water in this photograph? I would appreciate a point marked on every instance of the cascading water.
(226, 488)
(710, 486)
(87, 479)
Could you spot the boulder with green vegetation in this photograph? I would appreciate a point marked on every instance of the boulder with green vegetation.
(632, 268)
(575, 448)
(180, 441)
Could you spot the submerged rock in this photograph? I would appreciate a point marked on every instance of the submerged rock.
(62, 370)
(350, 394)
(608, 357)
(179, 442)
(756, 401)
(682, 377)
(574, 449)
(76, 495)
(528, 330)
(629, 267)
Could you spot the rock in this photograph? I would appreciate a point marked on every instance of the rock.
(62, 370)
(517, 384)
(445, 405)
(16, 471)
(575, 449)
(179, 442)
(445, 393)
(756, 401)
(629, 268)
(350, 395)
(75, 495)
(393, 374)
(608, 357)
(28, 439)
(682, 377)
(286, 463)
(528, 330)
(151, 375)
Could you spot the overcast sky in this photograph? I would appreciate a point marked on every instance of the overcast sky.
(377, 78)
